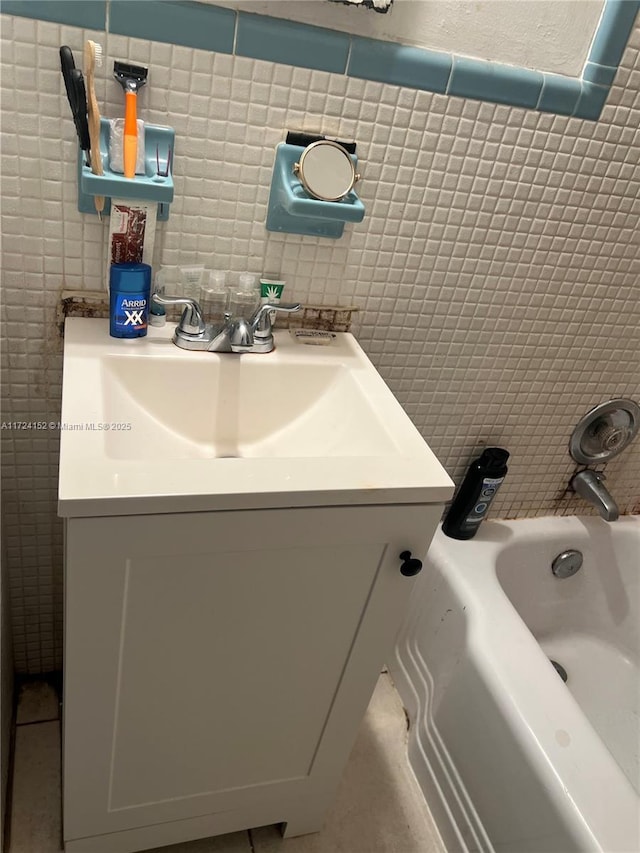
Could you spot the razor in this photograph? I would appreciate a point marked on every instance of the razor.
(132, 78)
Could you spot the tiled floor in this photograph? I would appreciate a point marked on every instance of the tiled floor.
(379, 807)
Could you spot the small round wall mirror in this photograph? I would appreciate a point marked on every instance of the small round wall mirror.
(326, 171)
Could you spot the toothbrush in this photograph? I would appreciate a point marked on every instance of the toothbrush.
(132, 78)
(93, 57)
(74, 85)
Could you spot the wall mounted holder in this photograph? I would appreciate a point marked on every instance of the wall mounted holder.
(152, 186)
(292, 210)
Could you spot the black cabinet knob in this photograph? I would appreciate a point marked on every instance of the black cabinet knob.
(410, 566)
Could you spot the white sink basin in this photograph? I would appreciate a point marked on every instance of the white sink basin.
(237, 407)
(149, 427)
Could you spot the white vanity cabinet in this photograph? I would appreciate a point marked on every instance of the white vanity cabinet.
(218, 664)
(234, 526)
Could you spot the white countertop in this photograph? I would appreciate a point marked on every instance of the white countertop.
(98, 477)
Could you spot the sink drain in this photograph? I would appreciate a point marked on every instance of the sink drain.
(562, 672)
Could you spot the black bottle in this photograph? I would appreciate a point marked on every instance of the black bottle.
(478, 489)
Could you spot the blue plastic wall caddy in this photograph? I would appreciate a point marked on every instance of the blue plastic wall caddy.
(154, 185)
(292, 210)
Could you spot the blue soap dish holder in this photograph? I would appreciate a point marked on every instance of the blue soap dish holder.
(292, 210)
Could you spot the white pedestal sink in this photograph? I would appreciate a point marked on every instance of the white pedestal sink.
(235, 574)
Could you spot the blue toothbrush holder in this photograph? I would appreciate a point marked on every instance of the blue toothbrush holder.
(155, 185)
(292, 210)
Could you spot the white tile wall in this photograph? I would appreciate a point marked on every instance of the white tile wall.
(497, 269)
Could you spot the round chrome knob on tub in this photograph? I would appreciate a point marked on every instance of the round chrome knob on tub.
(605, 431)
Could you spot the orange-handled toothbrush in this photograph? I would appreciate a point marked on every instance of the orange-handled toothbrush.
(132, 78)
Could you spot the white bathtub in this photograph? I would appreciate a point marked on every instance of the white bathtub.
(510, 757)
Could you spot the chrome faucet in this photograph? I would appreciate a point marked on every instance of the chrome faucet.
(236, 334)
(590, 486)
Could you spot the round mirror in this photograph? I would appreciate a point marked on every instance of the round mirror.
(326, 171)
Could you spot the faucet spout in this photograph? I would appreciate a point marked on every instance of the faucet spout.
(240, 336)
(590, 486)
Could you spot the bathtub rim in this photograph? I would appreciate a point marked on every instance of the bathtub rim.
(567, 770)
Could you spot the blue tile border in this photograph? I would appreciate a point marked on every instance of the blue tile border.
(401, 65)
(560, 95)
(223, 30)
(613, 31)
(603, 75)
(276, 40)
(592, 101)
(190, 24)
(491, 81)
(92, 14)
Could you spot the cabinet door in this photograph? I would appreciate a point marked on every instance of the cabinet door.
(206, 653)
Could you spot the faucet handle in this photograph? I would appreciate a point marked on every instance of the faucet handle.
(192, 322)
(261, 320)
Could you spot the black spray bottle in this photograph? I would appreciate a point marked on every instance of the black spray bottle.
(478, 489)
